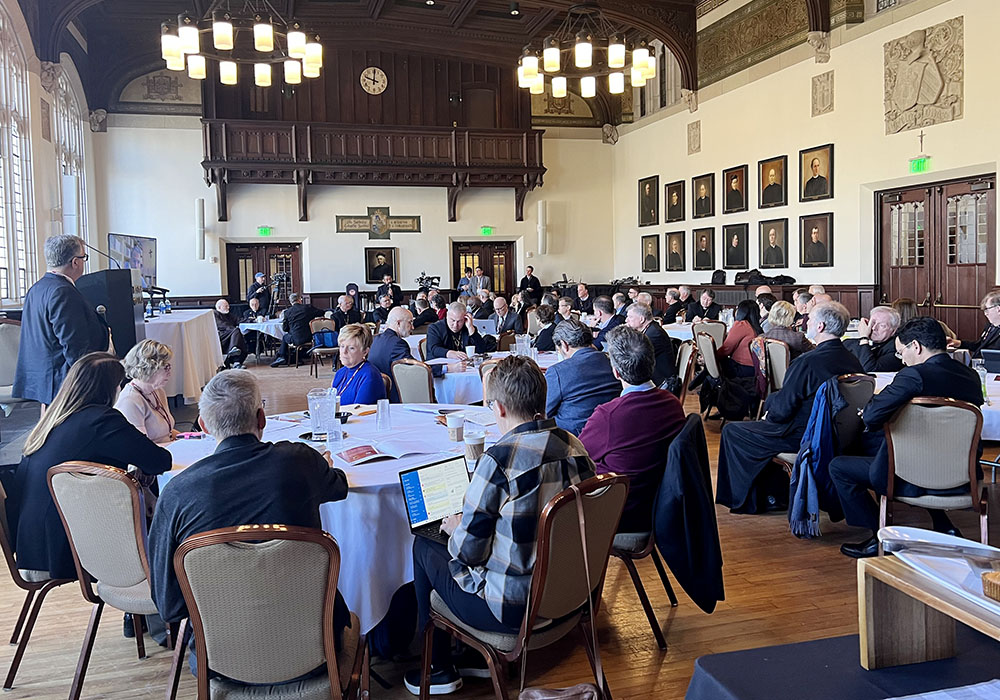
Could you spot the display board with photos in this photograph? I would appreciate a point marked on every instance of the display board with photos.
(816, 240)
(675, 252)
(734, 187)
(649, 201)
(651, 253)
(703, 247)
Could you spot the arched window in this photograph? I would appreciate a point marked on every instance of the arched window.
(69, 145)
(18, 260)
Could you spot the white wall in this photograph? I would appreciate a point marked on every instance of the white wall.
(744, 121)
(151, 174)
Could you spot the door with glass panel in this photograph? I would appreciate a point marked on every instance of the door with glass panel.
(939, 248)
(496, 258)
(278, 261)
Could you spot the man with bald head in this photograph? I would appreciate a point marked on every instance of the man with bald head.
(451, 335)
(345, 313)
(876, 348)
(234, 345)
(390, 345)
(505, 318)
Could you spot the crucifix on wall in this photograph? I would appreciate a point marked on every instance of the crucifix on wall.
(378, 224)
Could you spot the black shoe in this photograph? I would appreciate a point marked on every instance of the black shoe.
(443, 682)
(471, 664)
(773, 504)
(280, 362)
(861, 550)
(128, 629)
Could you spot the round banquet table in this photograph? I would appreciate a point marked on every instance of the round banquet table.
(271, 327)
(370, 525)
(467, 387)
(681, 331)
(991, 410)
(197, 352)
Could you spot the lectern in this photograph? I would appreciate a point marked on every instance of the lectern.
(120, 293)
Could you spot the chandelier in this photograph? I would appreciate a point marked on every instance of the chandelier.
(276, 43)
(587, 46)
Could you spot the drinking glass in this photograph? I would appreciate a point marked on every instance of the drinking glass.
(383, 420)
(322, 410)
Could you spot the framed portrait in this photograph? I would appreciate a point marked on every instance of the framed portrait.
(675, 252)
(703, 242)
(772, 182)
(816, 173)
(380, 262)
(649, 201)
(773, 243)
(736, 247)
(673, 195)
(734, 186)
(703, 195)
(816, 240)
(651, 253)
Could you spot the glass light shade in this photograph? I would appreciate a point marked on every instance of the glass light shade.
(522, 82)
(297, 44)
(310, 70)
(170, 47)
(616, 54)
(175, 63)
(583, 53)
(227, 72)
(640, 57)
(559, 86)
(293, 72)
(616, 83)
(222, 35)
(650, 71)
(588, 86)
(550, 59)
(196, 67)
(263, 36)
(262, 74)
(638, 79)
(190, 41)
(537, 85)
(530, 65)
(314, 55)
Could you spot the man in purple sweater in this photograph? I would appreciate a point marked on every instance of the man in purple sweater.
(630, 435)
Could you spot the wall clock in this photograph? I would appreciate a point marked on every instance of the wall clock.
(373, 80)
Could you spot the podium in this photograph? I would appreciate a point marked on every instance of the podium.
(120, 293)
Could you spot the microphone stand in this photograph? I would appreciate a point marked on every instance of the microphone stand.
(101, 252)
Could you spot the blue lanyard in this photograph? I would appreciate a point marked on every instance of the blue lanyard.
(341, 389)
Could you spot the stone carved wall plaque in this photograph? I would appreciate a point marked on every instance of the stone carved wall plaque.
(694, 137)
(822, 94)
(924, 77)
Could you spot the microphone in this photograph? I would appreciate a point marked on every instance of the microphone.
(101, 252)
(102, 313)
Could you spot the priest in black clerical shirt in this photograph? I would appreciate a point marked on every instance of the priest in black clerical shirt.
(734, 197)
(774, 256)
(772, 193)
(817, 185)
(703, 256)
(531, 284)
(816, 251)
(703, 205)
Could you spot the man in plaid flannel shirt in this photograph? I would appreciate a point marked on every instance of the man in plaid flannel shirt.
(484, 575)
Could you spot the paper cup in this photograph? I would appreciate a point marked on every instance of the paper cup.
(456, 425)
(470, 351)
(475, 443)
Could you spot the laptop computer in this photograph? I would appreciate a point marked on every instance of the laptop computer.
(991, 358)
(432, 493)
(485, 326)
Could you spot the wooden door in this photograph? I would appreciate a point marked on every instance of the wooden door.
(938, 245)
(496, 258)
(243, 261)
(479, 107)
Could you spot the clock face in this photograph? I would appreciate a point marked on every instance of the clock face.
(373, 80)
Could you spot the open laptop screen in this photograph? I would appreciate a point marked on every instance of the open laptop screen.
(435, 491)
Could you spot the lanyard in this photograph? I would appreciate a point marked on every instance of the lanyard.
(342, 389)
(157, 407)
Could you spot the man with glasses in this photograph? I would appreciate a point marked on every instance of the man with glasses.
(921, 344)
(58, 325)
(876, 348)
(990, 339)
(390, 345)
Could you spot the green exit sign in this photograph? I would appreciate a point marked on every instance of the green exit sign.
(264, 230)
(920, 165)
(485, 230)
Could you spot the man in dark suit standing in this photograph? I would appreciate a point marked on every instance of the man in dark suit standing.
(581, 382)
(607, 319)
(345, 313)
(928, 372)
(640, 317)
(58, 326)
(295, 323)
(505, 319)
(261, 291)
(747, 447)
(531, 284)
(390, 345)
(391, 289)
(450, 336)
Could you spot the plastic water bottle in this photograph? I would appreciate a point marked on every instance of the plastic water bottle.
(163, 308)
(149, 310)
(168, 306)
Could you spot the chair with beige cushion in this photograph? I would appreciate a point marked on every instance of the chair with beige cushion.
(685, 366)
(779, 356)
(557, 599)
(716, 329)
(414, 381)
(933, 444)
(104, 514)
(707, 349)
(288, 577)
(34, 582)
(484, 372)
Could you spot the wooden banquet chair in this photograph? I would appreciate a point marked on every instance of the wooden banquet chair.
(933, 443)
(33, 582)
(707, 349)
(484, 372)
(505, 340)
(422, 349)
(317, 354)
(387, 380)
(557, 599)
(716, 329)
(414, 381)
(779, 356)
(685, 366)
(288, 577)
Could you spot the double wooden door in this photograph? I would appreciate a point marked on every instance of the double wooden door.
(938, 247)
(496, 258)
(243, 261)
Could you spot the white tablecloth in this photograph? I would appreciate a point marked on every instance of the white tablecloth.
(370, 525)
(413, 340)
(467, 387)
(197, 351)
(271, 328)
(991, 411)
(681, 331)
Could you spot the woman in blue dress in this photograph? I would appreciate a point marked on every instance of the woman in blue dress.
(358, 381)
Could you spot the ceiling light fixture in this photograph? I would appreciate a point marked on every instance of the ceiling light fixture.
(515, 9)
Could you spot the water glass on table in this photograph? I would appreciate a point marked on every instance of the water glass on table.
(322, 412)
(383, 420)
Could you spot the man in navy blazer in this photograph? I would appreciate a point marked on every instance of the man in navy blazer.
(58, 326)
(505, 318)
(606, 319)
(451, 335)
(581, 382)
(390, 345)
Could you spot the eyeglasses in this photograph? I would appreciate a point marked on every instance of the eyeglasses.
(899, 356)
(85, 257)
(987, 308)
(491, 404)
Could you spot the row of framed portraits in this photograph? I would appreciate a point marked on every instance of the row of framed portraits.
(815, 183)
(815, 246)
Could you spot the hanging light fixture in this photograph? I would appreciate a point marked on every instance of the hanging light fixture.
(187, 30)
(222, 31)
(650, 71)
(529, 61)
(616, 52)
(296, 39)
(559, 86)
(616, 83)
(196, 67)
(583, 50)
(227, 72)
(170, 43)
(175, 63)
(538, 85)
(314, 54)
(551, 55)
(310, 70)
(263, 34)
(293, 72)
(262, 74)
(638, 78)
(588, 86)
(522, 82)
(640, 56)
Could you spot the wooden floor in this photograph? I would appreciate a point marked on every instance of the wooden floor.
(778, 590)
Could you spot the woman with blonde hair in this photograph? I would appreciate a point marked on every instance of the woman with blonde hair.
(782, 317)
(143, 401)
(80, 425)
(358, 381)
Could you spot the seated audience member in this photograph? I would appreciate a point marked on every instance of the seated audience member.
(246, 481)
(295, 323)
(782, 316)
(621, 303)
(519, 303)
(440, 306)
(747, 448)
(425, 315)
(485, 307)
(484, 573)
(550, 299)
(640, 317)
(686, 297)
(606, 319)
(421, 294)
(647, 299)
(390, 288)
(762, 289)
(390, 345)
(633, 294)
(546, 327)
(450, 337)
(734, 353)
(81, 424)
(234, 345)
(764, 303)
(143, 401)
(381, 312)
(345, 313)
(674, 306)
(581, 382)
(630, 435)
(876, 348)
(705, 309)
(820, 298)
(990, 338)
(565, 309)
(505, 317)
(801, 300)
(815, 289)
(928, 372)
(583, 303)
(358, 381)
(465, 284)
(252, 338)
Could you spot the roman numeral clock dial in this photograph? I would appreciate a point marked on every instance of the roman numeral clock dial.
(373, 80)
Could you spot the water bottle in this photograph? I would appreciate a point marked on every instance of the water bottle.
(168, 306)
(163, 308)
(149, 310)
(980, 368)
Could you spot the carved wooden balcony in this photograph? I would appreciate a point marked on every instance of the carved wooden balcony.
(329, 154)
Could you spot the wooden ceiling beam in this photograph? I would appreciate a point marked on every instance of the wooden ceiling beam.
(375, 8)
(540, 22)
(462, 12)
(819, 15)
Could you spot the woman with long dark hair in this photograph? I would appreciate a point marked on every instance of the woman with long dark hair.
(735, 354)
